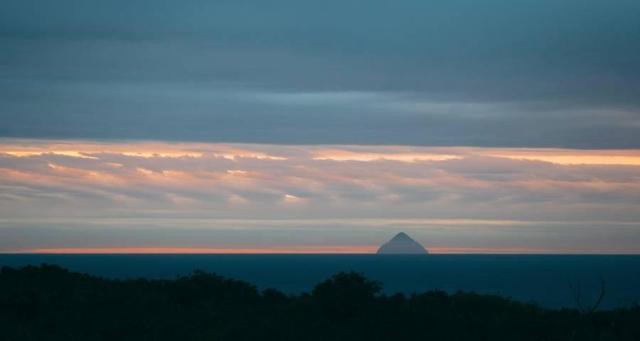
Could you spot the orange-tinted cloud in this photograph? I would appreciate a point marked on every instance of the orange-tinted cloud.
(384, 186)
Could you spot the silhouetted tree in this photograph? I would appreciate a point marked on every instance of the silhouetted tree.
(50, 303)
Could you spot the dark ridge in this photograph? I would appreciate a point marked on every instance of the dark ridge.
(50, 303)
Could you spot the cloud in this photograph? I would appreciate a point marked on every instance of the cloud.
(171, 184)
(532, 74)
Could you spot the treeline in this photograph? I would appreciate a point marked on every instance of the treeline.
(50, 303)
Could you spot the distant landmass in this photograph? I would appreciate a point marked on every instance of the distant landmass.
(402, 244)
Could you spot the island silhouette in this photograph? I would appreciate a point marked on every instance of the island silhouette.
(401, 243)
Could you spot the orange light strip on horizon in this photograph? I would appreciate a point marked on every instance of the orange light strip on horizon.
(401, 156)
(368, 249)
(568, 156)
(205, 250)
(152, 149)
(141, 149)
(531, 251)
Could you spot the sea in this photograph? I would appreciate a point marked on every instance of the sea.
(550, 281)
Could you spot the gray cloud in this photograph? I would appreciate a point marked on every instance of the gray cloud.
(530, 73)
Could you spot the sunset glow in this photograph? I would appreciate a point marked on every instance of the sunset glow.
(211, 133)
(314, 188)
(188, 250)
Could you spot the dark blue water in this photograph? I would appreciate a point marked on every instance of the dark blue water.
(541, 279)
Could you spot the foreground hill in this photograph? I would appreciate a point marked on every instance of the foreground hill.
(50, 303)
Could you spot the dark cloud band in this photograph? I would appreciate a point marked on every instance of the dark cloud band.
(531, 73)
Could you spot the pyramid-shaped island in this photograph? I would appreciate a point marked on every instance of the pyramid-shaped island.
(402, 244)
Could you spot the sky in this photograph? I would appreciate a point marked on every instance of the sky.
(305, 126)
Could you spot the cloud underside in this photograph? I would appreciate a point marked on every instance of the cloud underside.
(61, 195)
(526, 74)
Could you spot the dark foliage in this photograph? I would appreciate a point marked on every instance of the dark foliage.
(51, 303)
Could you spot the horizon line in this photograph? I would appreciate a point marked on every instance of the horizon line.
(309, 250)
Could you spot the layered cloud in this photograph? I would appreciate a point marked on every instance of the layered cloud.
(532, 73)
(149, 195)
(297, 125)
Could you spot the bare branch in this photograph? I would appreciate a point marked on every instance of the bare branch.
(596, 305)
(577, 295)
